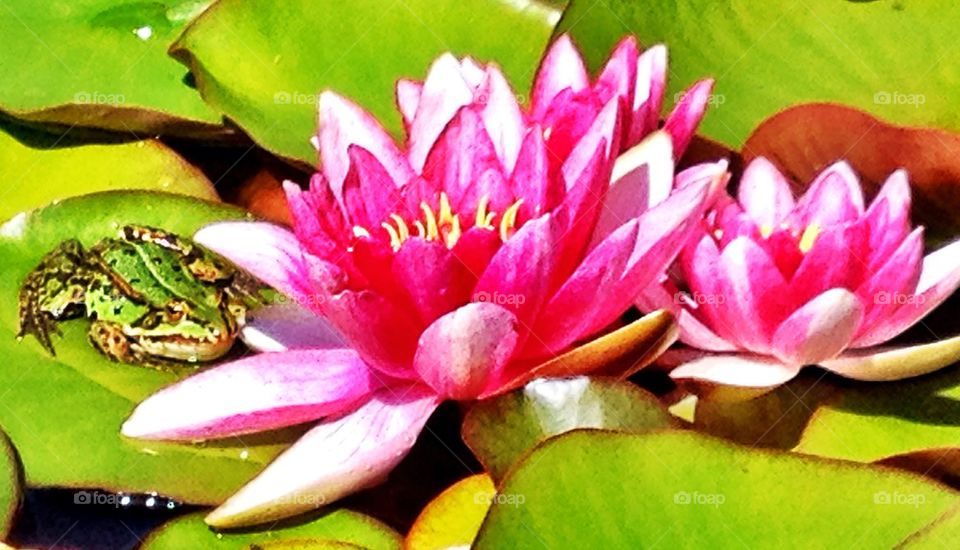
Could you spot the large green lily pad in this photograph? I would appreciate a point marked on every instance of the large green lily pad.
(263, 63)
(64, 413)
(336, 529)
(684, 490)
(11, 484)
(101, 64)
(767, 56)
(34, 177)
(502, 429)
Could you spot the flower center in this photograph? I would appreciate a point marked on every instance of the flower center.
(444, 225)
(807, 239)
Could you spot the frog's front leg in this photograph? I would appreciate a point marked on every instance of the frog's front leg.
(111, 341)
(53, 291)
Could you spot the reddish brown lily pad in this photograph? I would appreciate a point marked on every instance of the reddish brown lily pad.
(804, 139)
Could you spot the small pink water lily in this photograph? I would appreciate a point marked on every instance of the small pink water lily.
(772, 284)
(446, 269)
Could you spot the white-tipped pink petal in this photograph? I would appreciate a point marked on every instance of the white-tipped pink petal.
(693, 331)
(465, 350)
(342, 124)
(834, 197)
(939, 279)
(604, 131)
(335, 459)
(896, 363)
(642, 178)
(651, 83)
(268, 252)
(820, 329)
(408, 98)
(765, 193)
(502, 117)
(744, 376)
(286, 326)
(686, 116)
(257, 393)
(561, 68)
(444, 92)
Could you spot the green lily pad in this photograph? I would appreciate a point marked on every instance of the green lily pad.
(64, 413)
(683, 490)
(34, 177)
(101, 64)
(767, 56)
(263, 63)
(501, 430)
(11, 484)
(336, 529)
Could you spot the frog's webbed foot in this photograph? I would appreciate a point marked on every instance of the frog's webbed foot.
(108, 338)
(53, 291)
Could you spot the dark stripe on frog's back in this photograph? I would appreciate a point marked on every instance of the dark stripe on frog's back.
(129, 274)
(168, 269)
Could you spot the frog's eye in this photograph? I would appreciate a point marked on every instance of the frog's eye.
(151, 321)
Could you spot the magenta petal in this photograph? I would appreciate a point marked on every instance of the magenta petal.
(287, 326)
(835, 260)
(436, 280)
(693, 331)
(686, 116)
(269, 252)
(334, 459)
(464, 351)
(888, 218)
(562, 68)
(819, 330)
(746, 371)
(370, 195)
(258, 393)
(603, 131)
(531, 179)
(502, 117)
(939, 279)
(896, 363)
(444, 92)
(834, 197)
(765, 194)
(342, 124)
(618, 76)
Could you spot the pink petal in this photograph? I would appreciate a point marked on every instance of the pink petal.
(896, 363)
(819, 330)
(618, 76)
(268, 252)
(342, 124)
(522, 270)
(651, 83)
(687, 114)
(834, 197)
(835, 260)
(257, 393)
(384, 334)
(755, 294)
(894, 280)
(620, 268)
(502, 117)
(333, 460)
(561, 68)
(694, 331)
(465, 350)
(318, 220)
(603, 131)
(287, 326)
(888, 218)
(765, 194)
(700, 262)
(531, 179)
(757, 374)
(408, 99)
(444, 92)
(436, 280)
(369, 193)
(939, 279)
(642, 177)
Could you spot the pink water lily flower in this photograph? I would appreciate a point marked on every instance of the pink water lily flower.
(772, 284)
(450, 268)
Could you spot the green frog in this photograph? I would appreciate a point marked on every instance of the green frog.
(153, 297)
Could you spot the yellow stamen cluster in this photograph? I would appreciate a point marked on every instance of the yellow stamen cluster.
(444, 224)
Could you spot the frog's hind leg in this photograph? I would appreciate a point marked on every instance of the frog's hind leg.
(52, 292)
(109, 339)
